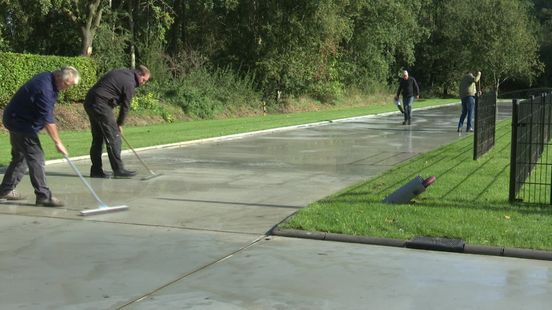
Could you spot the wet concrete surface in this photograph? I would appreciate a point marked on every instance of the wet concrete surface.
(193, 237)
(284, 273)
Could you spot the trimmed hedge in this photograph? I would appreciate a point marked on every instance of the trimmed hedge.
(17, 69)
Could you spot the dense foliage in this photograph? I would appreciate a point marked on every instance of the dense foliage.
(283, 48)
(21, 67)
(496, 37)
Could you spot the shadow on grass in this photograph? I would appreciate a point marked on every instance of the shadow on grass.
(526, 209)
(374, 191)
(470, 175)
(492, 205)
(435, 159)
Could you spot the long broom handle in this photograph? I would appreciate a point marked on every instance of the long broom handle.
(102, 204)
(139, 159)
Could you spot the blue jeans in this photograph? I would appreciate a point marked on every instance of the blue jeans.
(468, 104)
(408, 107)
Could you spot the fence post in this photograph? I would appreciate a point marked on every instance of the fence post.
(548, 106)
(476, 125)
(532, 158)
(549, 97)
(513, 151)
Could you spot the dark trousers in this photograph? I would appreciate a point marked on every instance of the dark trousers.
(104, 129)
(26, 152)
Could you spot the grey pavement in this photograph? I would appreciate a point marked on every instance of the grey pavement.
(196, 236)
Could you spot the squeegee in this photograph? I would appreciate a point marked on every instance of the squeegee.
(103, 208)
(152, 174)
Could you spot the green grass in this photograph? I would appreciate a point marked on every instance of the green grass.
(78, 142)
(468, 201)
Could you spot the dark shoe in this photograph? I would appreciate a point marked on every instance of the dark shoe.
(52, 202)
(124, 174)
(404, 123)
(408, 122)
(100, 175)
(12, 195)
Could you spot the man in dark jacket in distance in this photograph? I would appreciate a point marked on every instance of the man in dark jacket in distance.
(114, 89)
(409, 88)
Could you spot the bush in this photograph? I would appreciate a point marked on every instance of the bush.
(207, 94)
(327, 92)
(3, 43)
(149, 102)
(110, 49)
(17, 69)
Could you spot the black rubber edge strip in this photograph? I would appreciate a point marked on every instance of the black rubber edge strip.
(468, 249)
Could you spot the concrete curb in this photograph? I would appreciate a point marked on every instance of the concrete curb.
(436, 246)
(247, 134)
(316, 235)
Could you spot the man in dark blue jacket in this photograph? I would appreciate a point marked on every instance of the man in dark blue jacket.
(409, 88)
(116, 88)
(30, 110)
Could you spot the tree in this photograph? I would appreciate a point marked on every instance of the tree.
(437, 61)
(4, 45)
(294, 46)
(48, 26)
(111, 42)
(384, 38)
(543, 10)
(505, 45)
(290, 46)
(498, 37)
(87, 16)
(28, 27)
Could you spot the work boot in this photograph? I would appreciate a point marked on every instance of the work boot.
(100, 174)
(52, 202)
(12, 195)
(124, 174)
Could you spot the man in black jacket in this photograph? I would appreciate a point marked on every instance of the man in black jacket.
(409, 88)
(116, 88)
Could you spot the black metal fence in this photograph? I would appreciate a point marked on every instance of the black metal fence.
(485, 121)
(530, 163)
(524, 93)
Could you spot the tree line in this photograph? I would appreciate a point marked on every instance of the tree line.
(320, 48)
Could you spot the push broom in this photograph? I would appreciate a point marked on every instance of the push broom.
(152, 174)
(103, 208)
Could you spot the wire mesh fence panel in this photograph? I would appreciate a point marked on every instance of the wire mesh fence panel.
(530, 162)
(485, 124)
